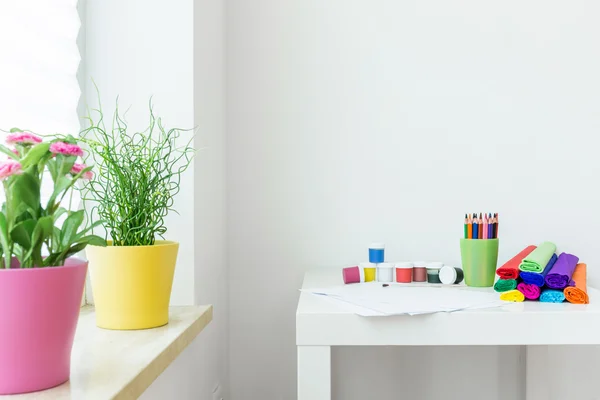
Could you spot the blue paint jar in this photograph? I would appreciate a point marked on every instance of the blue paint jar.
(376, 253)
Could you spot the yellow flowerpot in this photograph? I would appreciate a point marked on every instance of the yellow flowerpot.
(132, 284)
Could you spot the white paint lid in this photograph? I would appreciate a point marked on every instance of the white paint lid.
(419, 264)
(447, 275)
(435, 265)
(404, 265)
(377, 246)
(385, 265)
(367, 265)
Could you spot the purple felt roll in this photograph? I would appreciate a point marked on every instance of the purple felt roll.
(560, 274)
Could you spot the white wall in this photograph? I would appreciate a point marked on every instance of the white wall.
(174, 51)
(353, 121)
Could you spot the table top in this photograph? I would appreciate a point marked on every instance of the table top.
(109, 364)
(320, 321)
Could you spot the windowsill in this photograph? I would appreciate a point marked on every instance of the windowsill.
(109, 364)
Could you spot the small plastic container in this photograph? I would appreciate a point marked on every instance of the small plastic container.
(370, 271)
(353, 275)
(451, 275)
(433, 272)
(385, 272)
(419, 271)
(376, 253)
(404, 272)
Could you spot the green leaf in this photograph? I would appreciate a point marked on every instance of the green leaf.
(8, 152)
(25, 190)
(92, 240)
(62, 184)
(43, 229)
(70, 227)
(14, 130)
(35, 155)
(4, 240)
(66, 162)
(23, 232)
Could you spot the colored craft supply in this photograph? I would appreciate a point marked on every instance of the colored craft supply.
(370, 271)
(376, 253)
(531, 292)
(466, 224)
(512, 295)
(353, 275)
(510, 269)
(562, 271)
(537, 260)
(451, 275)
(485, 227)
(470, 228)
(504, 285)
(385, 285)
(538, 279)
(433, 272)
(385, 272)
(497, 226)
(419, 271)
(552, 296)
(404, 272)
(475, 228)
(479, 260)
(578, 294)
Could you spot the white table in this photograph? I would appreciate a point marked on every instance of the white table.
(320, 324)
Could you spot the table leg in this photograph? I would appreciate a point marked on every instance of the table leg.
(537, 386)
(314, 373)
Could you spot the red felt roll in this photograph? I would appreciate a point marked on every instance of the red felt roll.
(510, 269)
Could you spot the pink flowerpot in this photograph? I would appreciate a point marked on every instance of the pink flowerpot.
(39, 308)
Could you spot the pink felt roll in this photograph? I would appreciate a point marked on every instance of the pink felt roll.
(531, 292)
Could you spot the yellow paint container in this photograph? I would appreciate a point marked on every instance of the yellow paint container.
(370, 270)
(132, 285)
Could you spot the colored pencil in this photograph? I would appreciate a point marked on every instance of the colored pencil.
(497, 225)
(490, 227)
(470, 228)
(475, 227)
(466, 229)
(485, 227)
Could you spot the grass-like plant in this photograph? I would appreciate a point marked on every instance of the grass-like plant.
(138, 173)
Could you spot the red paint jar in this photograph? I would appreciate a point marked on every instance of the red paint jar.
(419, 272)
(404, 272)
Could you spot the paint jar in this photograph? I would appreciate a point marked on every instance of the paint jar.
(479, 261)
(370, 271)
(353, 275)
(385, 272)
(433, 272)
(419, 271)
(376, 251)
(451, 275)
(404, 272)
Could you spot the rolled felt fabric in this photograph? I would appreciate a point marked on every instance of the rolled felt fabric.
(562, 271)
(504, 285)
(538, 259)
(510, 269)
(578, 294)
(512, 295)
(538, 279)
(552, 296)
(531, 292)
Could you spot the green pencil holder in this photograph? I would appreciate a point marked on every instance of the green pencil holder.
(479, 261)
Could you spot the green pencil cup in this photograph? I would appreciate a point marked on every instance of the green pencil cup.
(479, 261)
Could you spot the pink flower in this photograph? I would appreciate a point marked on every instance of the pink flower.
(66, 149)
(9, 168)
(23, 138)
(77, 168)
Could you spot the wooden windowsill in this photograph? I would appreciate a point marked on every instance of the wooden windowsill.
(109, 364)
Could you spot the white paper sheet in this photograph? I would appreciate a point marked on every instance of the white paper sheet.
(372, 299)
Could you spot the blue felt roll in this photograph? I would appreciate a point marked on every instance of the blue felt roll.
(552, 296)
(535, 278)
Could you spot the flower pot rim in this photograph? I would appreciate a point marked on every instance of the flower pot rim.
(157, 243)
(76, 262)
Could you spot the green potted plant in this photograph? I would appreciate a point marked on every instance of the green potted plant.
(41, 282)
(137, 175)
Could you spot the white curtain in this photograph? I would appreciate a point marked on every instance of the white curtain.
(39, 59)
